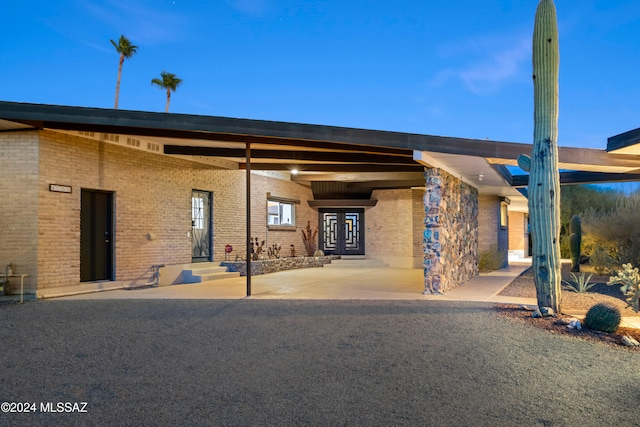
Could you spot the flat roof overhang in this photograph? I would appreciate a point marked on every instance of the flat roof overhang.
(625, 143)
(319, 152)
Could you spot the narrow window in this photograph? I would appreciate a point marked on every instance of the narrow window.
(197, 212)
(503, 214)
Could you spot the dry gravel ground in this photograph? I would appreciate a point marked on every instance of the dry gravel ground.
(316, 363)
(572, 303)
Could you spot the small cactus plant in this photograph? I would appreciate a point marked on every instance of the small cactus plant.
(575, 241)
(602, 317)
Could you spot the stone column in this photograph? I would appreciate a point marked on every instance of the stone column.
(431, 240)
(451, 232)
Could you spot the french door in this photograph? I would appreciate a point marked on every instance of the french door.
(341, 231)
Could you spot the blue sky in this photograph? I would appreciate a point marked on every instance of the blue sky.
(434, 67)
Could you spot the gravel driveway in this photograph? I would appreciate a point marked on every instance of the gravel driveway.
(296, 362)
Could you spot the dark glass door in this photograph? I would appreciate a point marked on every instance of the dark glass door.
(341, 231)
(201, 236)
(96, 236)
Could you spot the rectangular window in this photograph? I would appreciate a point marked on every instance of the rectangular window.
(503, 214)
(197, 213)
(280, 213)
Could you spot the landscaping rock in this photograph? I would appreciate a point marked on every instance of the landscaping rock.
(629, 341)
(547, 312)
(575, 324)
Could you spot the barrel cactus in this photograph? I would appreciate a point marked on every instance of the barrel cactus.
(602, 317)
(575, 241)
(544, 177)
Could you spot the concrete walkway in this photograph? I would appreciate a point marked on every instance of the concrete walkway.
(336, 284)
(330, 284)
(339, 284)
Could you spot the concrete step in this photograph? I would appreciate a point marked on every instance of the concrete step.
(205, 271)
(356, 262)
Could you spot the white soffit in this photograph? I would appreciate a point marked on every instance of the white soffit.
(574, 166)
(8, 125)
(475, 171)
(630, 149)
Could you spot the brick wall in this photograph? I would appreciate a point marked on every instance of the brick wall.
(394, 227)
(488, 221)
(283, 236)
(517, 232)
(491, 235)
(152, 198)
(19, 205)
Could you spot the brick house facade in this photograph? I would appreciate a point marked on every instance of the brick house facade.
(151, 195)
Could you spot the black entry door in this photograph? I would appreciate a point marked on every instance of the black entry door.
(341, 231)
(201, 235)
(96, 236)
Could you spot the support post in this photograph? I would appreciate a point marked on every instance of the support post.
(248, 204)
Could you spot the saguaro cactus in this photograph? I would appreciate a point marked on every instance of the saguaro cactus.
(575, 241)
(544, 179)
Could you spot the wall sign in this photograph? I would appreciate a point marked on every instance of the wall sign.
(57, 188)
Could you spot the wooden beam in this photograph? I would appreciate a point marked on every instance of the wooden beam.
(334, 167)
(356, 177)
(390, 184)
(581, 178)
(318, 156)
(342, 203)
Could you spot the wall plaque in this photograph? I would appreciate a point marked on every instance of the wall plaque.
(57, 188)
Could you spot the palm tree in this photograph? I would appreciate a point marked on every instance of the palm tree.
(169, 82)
(126, 50)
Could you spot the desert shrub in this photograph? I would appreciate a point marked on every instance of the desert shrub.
(565, 248)
(601, 261)
(492, 259)
(580, 284)
(629, 279)
(616, 232)
(577, 199)
(602, 317)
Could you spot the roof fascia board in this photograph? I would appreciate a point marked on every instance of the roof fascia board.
(567, 178)
(623, 140)
(196, 127)
(140, 122)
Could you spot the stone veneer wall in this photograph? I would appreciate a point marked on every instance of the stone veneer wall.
(266, 266)
(451, 232)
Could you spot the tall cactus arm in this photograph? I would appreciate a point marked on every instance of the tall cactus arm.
(544, 179)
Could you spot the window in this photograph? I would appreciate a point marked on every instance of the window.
(197, 213)
(503, 214)
(280, 213)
